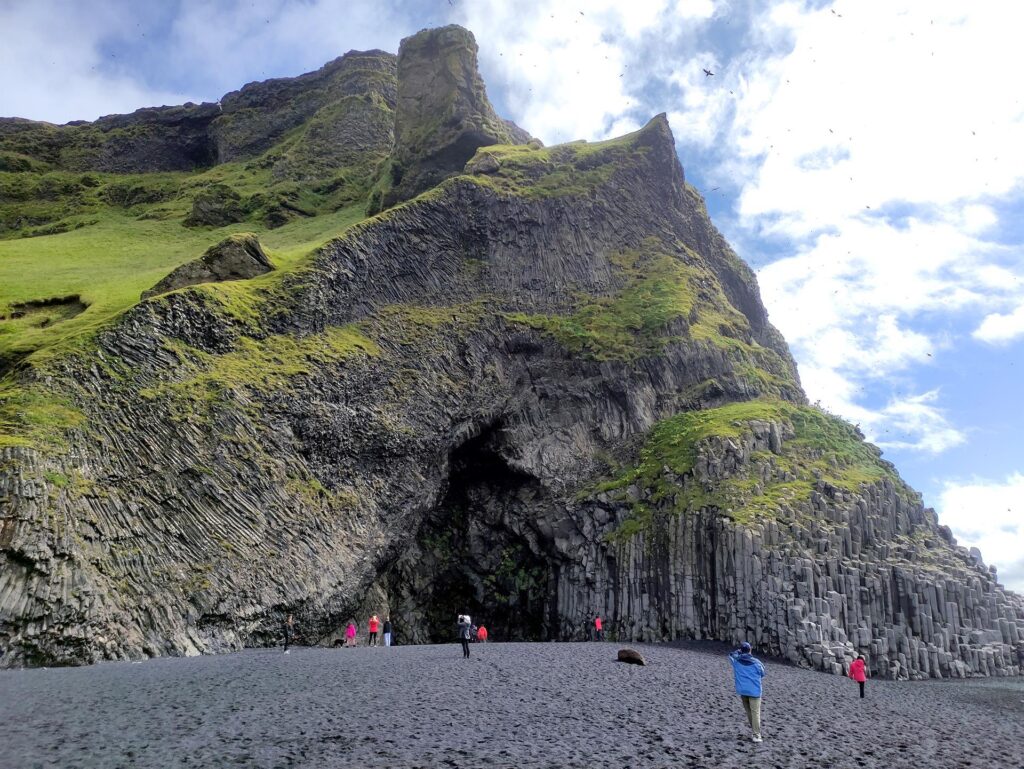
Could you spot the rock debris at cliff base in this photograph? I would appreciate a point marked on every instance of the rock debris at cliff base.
(510, 705)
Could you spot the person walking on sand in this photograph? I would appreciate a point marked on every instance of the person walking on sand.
(598, 628)
(464, 635)
(387, 631)
(858, 673)
(350, 633)
(748, 671)
(374, 625)
(289, 627)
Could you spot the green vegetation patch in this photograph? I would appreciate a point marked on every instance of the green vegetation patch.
(29, 417)
(262, 366)
(823, 449)
(109, 264)
(532, 171)
(666, 298)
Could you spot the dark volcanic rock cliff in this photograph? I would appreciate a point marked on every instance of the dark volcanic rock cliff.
(243, 124)
(543, 389)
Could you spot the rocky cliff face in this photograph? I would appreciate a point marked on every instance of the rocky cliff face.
(443, 113)
(544, 388)
(243, 124)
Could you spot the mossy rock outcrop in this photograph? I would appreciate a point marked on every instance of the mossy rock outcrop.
(235, 258)
(443, 114)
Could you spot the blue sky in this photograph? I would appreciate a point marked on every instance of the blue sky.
(865, 157)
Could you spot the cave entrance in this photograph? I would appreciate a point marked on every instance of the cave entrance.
(478, 553)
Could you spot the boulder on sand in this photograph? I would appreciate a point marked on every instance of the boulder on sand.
(632, 656)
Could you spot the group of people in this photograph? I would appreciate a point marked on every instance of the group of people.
(747, 669)
(467, 632)
(373, 626)
(748, 672)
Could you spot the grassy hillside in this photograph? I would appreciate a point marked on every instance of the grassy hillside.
(112, 251)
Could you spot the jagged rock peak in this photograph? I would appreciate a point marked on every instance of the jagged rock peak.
(443, 114)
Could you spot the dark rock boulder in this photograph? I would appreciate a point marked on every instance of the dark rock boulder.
(235, 258)
(215, 206)
(631, 656)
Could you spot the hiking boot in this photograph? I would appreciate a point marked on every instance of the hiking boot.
(757, 738)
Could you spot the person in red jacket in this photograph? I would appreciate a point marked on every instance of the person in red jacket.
(598, 628)
(858, 673)
(374, 623)
(481, 634)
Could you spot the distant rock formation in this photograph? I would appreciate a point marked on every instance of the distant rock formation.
(243, 124)
(235, 258)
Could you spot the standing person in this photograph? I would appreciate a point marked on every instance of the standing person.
(350, 633)
(374, 624)
(858, 673)
(289, 626)
(748, 671)
(387, 631)
(464, 635)
(481, 634)
(598, 628)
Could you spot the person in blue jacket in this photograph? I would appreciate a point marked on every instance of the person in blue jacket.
(748, 672)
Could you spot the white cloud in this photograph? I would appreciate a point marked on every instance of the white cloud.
(52, 66)
(695, 9)
(77, 61)
(914, 423)
(572, 70)
(561, 74)
(997, 328)
(989, 515)
(861, 136)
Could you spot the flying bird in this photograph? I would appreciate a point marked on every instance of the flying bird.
(708, 73)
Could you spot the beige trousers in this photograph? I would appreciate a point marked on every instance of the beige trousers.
(753, 707)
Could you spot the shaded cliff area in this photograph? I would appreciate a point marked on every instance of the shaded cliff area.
(531, 383)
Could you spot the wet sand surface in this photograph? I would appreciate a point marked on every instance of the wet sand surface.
(510, 705)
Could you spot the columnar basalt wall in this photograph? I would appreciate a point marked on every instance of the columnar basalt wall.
(837, 575)
(455, 400)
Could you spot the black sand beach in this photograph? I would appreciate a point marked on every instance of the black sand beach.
(510, 705)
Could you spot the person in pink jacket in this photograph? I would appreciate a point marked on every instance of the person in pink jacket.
(858, 673)
(350, 634)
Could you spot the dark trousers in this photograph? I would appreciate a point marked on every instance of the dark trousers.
(861, 689)
(465, 646)
(287, 637)
(373, 638)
